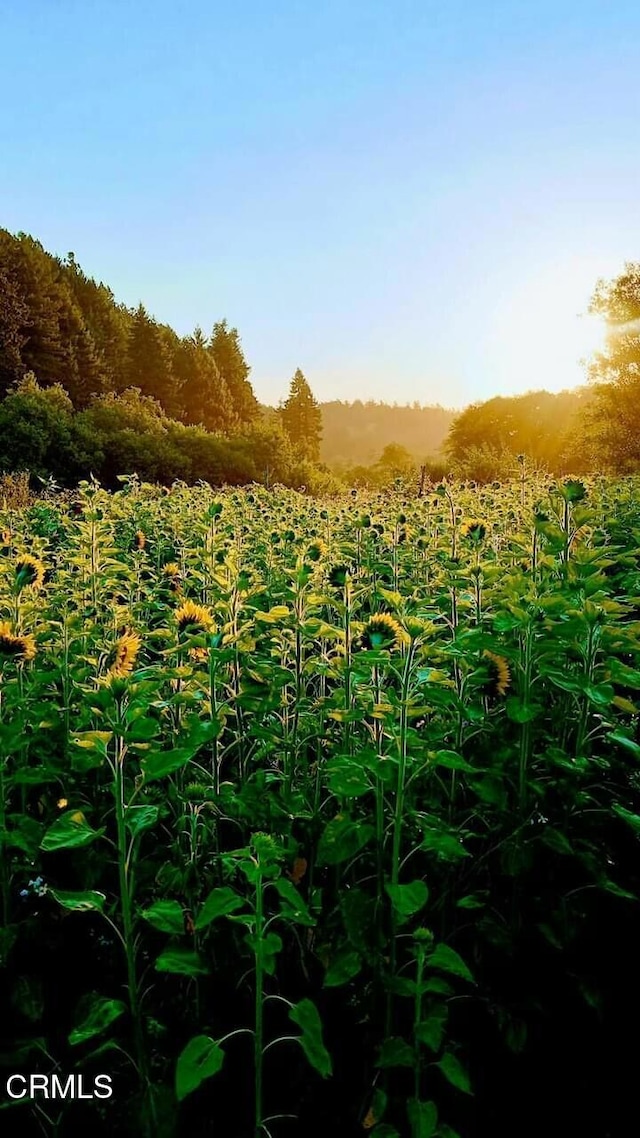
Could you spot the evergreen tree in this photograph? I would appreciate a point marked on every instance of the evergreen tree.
(302, 418)
(226, 350)
(203, 394)
(149, 360)
(13, 317)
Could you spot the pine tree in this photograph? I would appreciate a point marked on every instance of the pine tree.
(149, 360)
(13, 317)
(224, 346)
(302, 418)
(203, 394)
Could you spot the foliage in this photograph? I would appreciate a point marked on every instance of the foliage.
(615, 420)
(324, 808)
(486, 437)
(301, 418)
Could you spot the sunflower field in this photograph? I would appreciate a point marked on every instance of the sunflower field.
(322, 817)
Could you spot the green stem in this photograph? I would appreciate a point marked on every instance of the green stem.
(126, 912)
(258, 1037)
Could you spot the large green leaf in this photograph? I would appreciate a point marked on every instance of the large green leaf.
(344, 966)
(200, 1059)
(305, 1014)
(100, 1014)
(293, 905)
(164, 763)
(69, 831)
(167, 916)
(343, 837)
(141, 818)
(347, 778)
(446, 959)
(423, 1118)
(395, 1052)
(219, 903)
(453, 1070)
(182, 961)
(79, 902)
(431, 1030)
(408, 899)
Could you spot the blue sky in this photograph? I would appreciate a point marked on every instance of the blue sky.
(409, 200)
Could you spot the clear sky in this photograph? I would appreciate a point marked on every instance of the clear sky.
(409, 200)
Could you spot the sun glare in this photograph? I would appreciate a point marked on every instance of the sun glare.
(590, 334)
(543, 333)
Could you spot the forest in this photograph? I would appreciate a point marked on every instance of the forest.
(90, 387)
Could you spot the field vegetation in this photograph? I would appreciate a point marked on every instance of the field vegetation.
(320, 815)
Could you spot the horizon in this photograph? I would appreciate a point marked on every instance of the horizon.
(381, 197)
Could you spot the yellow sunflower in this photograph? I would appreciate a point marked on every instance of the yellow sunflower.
(499, 674)
(20, 648)
(124, 655)
(474, 529)
(193, 619)
(382, 631)
(29, 572)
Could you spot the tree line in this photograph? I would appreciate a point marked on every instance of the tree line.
(89, 385)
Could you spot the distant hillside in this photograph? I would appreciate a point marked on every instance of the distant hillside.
(357, 433)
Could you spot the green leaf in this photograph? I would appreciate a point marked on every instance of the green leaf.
(219, 903)
(624, 741)
(69, 831)
(384, 1130)
(431, 1030)
(200, 1059)
(446, 959)
(520, 712)
(93, 741)
(444, 843)
(181, 961)
(140, 818)
(556, 841)
(79, 902)
(451, 760)
(293, 908)
(454, 1072)
(167, 916)
(423, 1118)
(305, 1014)
(342, 839)
(344, 966)
(408, 899)
(347, 779)
(164, 763)
(472, 901)
(395, 1052)
(267, 946)
(632, 820)
(101, 1013)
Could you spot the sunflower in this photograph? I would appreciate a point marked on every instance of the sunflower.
(172, 576)
(382, 631)
(317, 550)
(473, 529)
(18, 648)
(29, 572)
(499, 674)
(339, 575)
(123, 656)
(193, 619)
